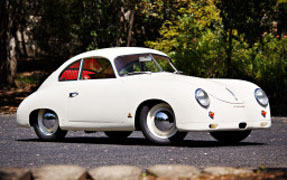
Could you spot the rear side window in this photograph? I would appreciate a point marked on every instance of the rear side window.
(71, 72)
(97, 68)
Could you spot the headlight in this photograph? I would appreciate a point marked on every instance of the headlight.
(261, 97)
(202, 97)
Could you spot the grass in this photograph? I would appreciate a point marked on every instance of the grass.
(34, 78)
(29, 80)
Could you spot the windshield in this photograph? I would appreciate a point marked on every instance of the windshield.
(143, 63)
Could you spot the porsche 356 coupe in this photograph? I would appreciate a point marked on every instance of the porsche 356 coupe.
(120, 90)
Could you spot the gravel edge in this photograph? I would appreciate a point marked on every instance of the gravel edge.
(125, 172)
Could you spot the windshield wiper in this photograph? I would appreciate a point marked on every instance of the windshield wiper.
(178, 72)
(138, 72)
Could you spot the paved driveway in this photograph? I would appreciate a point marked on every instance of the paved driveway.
(19, 147)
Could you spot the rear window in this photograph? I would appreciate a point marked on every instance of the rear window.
(71, 72)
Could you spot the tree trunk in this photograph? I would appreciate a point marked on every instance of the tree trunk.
(229, 55)
(23, 43)
(122, 27)
(8, 55)
(3, 41)
(131, 24)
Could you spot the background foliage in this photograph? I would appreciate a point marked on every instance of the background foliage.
(206, 38)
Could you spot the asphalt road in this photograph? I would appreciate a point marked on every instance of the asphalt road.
(19, 147)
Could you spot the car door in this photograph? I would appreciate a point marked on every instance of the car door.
(97, 96)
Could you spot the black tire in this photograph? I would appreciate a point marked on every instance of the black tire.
(150, 117)
(41, 125)
(230, 137)
(118, 135)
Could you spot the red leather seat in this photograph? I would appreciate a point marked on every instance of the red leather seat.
(69, 75)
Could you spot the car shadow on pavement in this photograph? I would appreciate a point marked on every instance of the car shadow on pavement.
(141, 142)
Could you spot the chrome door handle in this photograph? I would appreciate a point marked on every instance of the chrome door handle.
(73, 94)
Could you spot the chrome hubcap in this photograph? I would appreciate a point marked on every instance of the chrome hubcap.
(160, 121)
(163, 121)
(48, 122)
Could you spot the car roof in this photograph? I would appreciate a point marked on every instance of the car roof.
(109, 53)
(112, 53)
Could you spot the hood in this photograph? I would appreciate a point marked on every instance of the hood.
(216, 89)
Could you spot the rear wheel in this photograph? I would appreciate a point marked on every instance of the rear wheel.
(158, 124)
(118, 135)
(47, 127)
(230, 137)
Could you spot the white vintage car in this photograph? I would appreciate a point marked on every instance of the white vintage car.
(120, 90)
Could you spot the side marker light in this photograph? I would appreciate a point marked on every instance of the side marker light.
(263, 113)
(211, 114)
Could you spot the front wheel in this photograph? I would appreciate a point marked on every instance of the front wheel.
(158, 124)
(47, 127)
(230, 137)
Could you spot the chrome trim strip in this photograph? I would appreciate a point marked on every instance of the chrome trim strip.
(156, 63)
(80, 70)
(236, 99)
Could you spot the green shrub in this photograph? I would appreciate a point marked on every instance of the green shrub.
(198, 44)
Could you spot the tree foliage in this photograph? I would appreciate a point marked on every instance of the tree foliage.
(228, 39)
(251, 18)
(68, 27)
(194, 40)
(12, 18)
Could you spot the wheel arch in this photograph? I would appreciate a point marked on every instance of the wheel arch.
(34, 115)
(148, 102)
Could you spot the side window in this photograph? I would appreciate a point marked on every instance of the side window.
(97, 68)
(71, 72)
